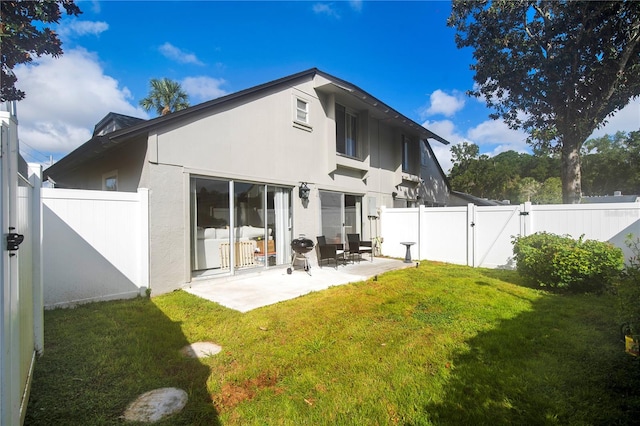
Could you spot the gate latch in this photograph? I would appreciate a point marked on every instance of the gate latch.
(14, 240)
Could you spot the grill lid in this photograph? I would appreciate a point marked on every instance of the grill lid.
(302, 245)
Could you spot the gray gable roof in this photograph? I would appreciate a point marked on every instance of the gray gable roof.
(114, 121)
(98, 144)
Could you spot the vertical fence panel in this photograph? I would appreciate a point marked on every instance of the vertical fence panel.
(445, 234)
(19, 308)
(25, 284)
(396, 226)
(602, 222)
(92, 245)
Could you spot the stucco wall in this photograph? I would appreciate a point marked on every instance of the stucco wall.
(255, 139)
(168, 228)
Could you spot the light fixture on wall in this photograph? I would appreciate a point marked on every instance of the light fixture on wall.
(303, 191)
(394, 194)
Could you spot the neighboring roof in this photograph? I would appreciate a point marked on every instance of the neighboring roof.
(611, 199)
(476, 200)
(114, 121)
(98, 144)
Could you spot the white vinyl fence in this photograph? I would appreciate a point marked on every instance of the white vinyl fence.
(482, 236)
(96, 245)
(21, 316)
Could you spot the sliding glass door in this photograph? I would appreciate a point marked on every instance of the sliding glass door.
(280, 224)
(238, 225)
(210, 223)
(341, 214)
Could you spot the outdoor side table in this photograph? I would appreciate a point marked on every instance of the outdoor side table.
(407, 257)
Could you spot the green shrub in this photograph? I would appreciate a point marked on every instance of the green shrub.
(628, 290)
(563, 263)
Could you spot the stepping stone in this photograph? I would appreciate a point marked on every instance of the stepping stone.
(155, 405)
(201, 350)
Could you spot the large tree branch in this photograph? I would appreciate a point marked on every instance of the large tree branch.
(622, 64)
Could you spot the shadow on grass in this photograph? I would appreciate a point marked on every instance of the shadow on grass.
(100, 357)
(509, 276)
(560, 363)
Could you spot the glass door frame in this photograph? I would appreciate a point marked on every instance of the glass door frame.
(358, 219)
(281, 228)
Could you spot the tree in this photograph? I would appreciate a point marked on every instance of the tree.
(165, 96)
(528, 188)
(612, 163)
(556, 69)
(21, 39)
(550, 192)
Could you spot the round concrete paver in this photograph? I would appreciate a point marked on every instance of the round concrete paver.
(201, 349)
(155, 405)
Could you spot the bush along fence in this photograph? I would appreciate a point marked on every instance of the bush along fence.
(482, 236)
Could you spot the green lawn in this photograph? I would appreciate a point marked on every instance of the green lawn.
(439, 344)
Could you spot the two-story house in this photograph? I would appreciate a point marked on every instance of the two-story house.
(234, 180)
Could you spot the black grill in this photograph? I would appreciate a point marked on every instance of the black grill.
(300, 246)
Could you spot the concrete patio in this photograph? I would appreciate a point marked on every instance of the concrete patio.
(248, 291)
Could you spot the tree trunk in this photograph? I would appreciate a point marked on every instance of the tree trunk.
(571, 175)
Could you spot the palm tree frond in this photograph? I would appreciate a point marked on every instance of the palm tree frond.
(165, 96)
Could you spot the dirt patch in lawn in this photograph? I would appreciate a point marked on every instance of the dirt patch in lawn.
(233, 394)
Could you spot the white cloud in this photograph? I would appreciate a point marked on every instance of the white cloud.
(356, 5)
(65, 98)
(447, 130)
(492, 136)
(172, 52)
(625, 120)
(325, 9)
(443, 103)
(81, 28)
(95, 6)
(496, 132)
(203, 88)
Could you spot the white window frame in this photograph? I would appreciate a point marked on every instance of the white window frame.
(304, 111)
(349, 112)
(304, 124)
(113, 174)
(406, 154)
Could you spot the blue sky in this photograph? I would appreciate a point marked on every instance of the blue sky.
(400, 52)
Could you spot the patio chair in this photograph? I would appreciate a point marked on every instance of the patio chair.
(357, 247)
(328, 252)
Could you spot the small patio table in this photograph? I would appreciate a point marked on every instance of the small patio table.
(407, 257)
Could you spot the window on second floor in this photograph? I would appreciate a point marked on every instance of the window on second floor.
(302, 111)
(346, 131)
(406, 154)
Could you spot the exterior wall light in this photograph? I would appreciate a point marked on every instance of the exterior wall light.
(394, 194)
(303, 191)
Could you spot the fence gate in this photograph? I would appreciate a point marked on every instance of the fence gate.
(21, 319)
(493, 229)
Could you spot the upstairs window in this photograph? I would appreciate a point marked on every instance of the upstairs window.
(302, 111)
(346, 131)
(406, 144)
